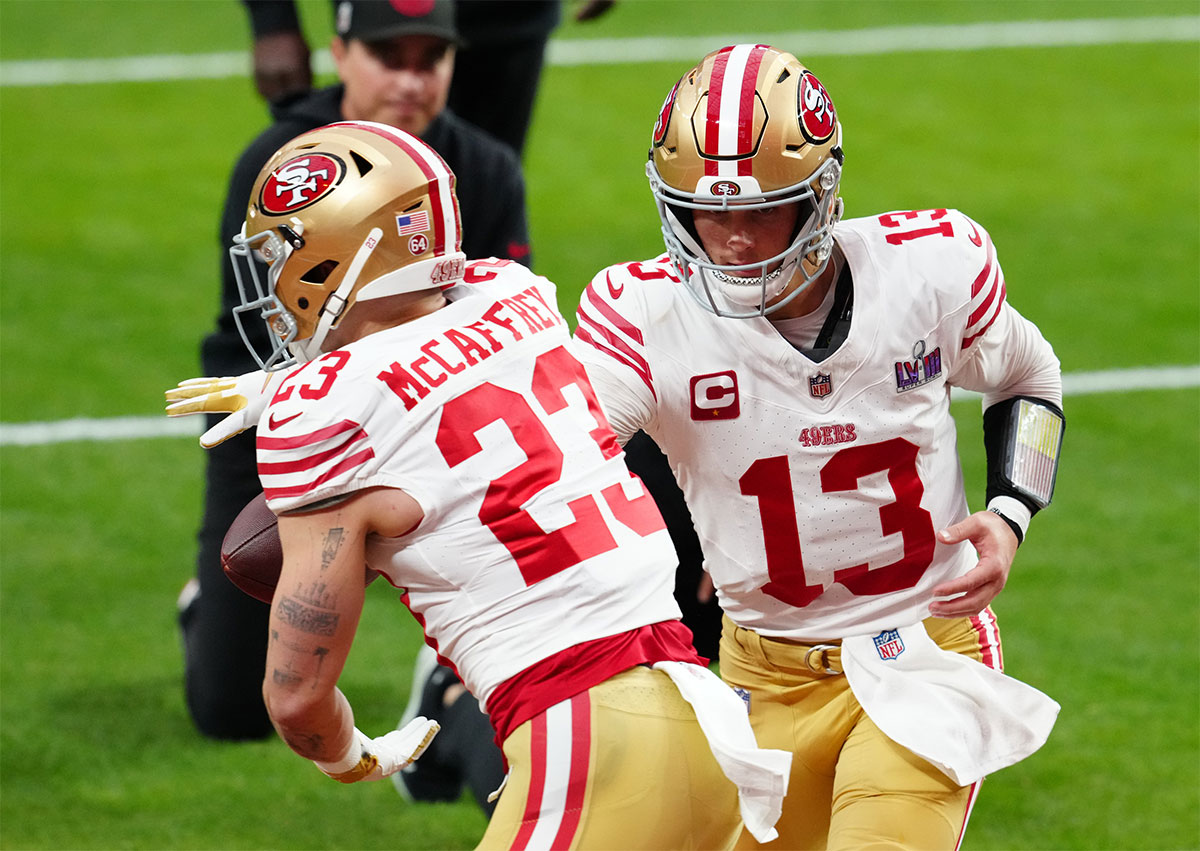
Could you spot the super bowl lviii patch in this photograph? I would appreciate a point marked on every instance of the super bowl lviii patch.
(922, 369)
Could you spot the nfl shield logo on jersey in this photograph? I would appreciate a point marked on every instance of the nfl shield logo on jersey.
(820, 385)
(889, 644)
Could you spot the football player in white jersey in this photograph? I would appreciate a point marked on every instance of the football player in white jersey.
(796, 367)
(427, 418)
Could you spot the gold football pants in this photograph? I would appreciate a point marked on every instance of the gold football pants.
(851, 786)
(621, 766)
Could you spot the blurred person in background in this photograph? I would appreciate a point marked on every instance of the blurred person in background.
(498, 65)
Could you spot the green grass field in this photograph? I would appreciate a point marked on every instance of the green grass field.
(1083, 162)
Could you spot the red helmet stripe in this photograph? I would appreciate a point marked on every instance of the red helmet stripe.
(746, 101)
(434, 168)
(729, 118)
(716, 86)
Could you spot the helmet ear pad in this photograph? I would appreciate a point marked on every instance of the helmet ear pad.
(683, 219)
(309, 294)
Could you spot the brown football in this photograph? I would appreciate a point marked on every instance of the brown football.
(251, 553)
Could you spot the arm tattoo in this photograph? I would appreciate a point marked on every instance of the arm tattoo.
(307, 618)
(288, 679)
(298, 647)
(316, 595)
(306, 744)
(320, 653)
(333, 542)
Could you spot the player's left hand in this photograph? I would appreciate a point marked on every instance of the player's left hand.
(244, 398)
(995, 544)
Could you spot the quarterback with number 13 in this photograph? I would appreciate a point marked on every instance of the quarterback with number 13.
(795, 367)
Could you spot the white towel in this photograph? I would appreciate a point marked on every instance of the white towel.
(964, 717)
(760, 774)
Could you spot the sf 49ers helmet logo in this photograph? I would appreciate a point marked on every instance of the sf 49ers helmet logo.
(817, 117)
(299, 182)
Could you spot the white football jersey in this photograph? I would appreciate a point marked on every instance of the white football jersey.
(816, 488)
(536, 537)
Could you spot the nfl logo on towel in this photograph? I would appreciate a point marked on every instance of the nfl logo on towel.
(889, 644)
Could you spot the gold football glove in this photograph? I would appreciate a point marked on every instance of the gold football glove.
(244, 398)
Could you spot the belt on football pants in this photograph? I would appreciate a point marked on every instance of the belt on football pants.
(820, 657)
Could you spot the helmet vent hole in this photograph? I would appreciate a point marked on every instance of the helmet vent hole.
(303, 303)
(363, 165)
(786, 73)
(320, 273)
(793, 148)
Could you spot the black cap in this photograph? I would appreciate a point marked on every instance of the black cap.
(377, 20)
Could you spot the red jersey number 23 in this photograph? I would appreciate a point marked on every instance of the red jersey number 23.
(540, 554)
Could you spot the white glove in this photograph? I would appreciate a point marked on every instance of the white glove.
(244, 398)
(374, 759)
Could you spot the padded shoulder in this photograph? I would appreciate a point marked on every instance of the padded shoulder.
(944, 258)
(641, 291)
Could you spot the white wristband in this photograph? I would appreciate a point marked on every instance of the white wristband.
(1012, 509)
(352, 757)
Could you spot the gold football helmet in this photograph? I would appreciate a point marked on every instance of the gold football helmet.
(749, 127)
(344, 213)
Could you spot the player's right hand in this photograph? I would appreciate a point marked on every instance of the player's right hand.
(282, 65)
(996, 546)
(244, 398)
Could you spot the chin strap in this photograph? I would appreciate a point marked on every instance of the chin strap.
(837, 323)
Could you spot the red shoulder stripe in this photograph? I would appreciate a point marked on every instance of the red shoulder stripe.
(308, 462)
(356, 460)
(265, 442)
(584, 336)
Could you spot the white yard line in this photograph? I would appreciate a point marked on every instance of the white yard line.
(610, 51)
(132, 428)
